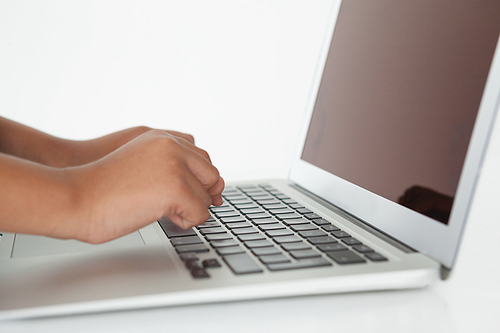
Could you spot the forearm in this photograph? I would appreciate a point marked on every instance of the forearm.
(30, 144)
(37, 199)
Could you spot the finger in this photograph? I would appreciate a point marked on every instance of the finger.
(188, 137)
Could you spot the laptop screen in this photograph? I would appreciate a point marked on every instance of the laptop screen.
(399, 96)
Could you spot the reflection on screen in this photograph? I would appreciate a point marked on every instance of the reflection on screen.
(399, 96)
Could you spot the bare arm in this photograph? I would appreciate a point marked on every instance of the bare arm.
(154, 174)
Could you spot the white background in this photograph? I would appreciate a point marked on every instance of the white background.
(235, 74)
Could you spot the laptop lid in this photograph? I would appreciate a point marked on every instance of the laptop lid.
(400, 116)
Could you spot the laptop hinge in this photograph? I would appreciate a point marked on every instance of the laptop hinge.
(358, 222)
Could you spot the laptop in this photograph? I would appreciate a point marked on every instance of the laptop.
(397, 124)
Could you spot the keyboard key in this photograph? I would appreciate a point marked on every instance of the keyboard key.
(186, 240)
(227, 214)
(321, 222)
(351, 241)
(305, 263)
(252, 211)
(290, 216)
(331, 247)
(265, 221)
(295, 246)
(277, 258)
(322, 240)
(305, 254)
(221, 209)
(340, 234)
(287, 239)
(363, 249)
(281, 211)
(192, 248)
(246, 205)
(312, 216)
(210, 224)
(199, 273)
(251, 237)
(242, 264)
(173, 230)
(303, 227)
(233, 219)
(375, 256)
(345, 257)
(329, 227)
(258, 243)
(213, 237)
(211, 263)
(223, 243)
(188, 256)
(273, 226)
(312, 233)
(279, 232)
(236, 225)
(304, 210)
(266, 251)
(244, 231)
(210, 231)
(258, 216)
(290, 222)
(230, 250)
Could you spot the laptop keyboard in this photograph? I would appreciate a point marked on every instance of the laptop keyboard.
(259, 228)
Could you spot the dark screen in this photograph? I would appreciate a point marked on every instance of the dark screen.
(399, 96)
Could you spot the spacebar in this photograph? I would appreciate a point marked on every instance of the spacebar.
(242, 263)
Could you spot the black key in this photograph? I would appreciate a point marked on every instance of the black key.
(221, 209)
(303, 227)
(331, 247)
(305, 263)
(192, 264)
(296, 221)
(230, 250)
(233, 196)
(290, 216)
(363, 249)
(312, 216)
(188, 256)
(258, 243)
(211, 263)
(281, 211)
(345, 257)
(351, 241)
(192, 248)
(173, 230)
(340, 234)
(375, 256)
(274, 259)
(210, 224)
(252, 211)
(305, 254)
(237, 225)
(199, 273)
(246, 205)
(296, 206)
(322, 240)
(240, 201)
(312, 233)
(271, 226)
(186, 240)
(329, 227)
(295, 246)
(321, 222)
(304, 210)
(227, 214)
(242, 264)
(265, 221)
(266, 251)
(261, 196)
(214, 237)
(279, 232)
(276, 206)
(258, 216)
(287, 239)
(289, 201)
(244, 231)
(210, 231)
(267, 203)
(251, 237)
(223, 243)
(233, 219)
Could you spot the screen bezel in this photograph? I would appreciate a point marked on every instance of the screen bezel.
(426, 235)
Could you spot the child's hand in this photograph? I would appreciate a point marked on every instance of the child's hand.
(154, 175)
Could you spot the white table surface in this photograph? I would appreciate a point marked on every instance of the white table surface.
(235, 74)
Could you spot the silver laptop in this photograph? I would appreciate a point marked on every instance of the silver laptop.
(378, 194)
